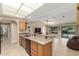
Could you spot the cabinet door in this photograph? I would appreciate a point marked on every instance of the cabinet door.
(45, 50)
(24, 43)
(48, 49)
(40, 50)
(22, 26)
(34, 48)
(78, 17)
(34, 53)
(20, 40)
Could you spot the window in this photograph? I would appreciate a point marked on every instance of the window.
(68, 31)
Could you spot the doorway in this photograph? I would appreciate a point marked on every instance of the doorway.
(6, 38)
(6, 32)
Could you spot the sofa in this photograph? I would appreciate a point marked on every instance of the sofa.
(73, 43)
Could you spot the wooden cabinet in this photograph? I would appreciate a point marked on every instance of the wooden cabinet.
(45, 50)
(78, 13)
(77, 19)
(22, 25)
(36, 49)
(22, 42)
(41, 50)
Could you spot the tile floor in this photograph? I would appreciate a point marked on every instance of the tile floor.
(12, 49)
(59, 49)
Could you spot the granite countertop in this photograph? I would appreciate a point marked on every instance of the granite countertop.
(40, 40)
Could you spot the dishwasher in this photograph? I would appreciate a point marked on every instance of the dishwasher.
(28, 46)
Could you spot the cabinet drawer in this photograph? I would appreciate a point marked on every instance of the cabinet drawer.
(34, 46)
(34, 53)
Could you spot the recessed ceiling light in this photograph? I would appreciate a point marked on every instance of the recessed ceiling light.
(30, 17)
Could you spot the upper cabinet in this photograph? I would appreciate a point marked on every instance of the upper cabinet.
(77, 13)
(77, 18)
(22, 25)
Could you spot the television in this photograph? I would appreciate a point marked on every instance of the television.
(38, 30)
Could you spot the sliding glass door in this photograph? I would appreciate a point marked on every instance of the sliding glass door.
(68, 31)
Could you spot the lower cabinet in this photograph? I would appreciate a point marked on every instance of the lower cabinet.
(41, 50)
(36, 49)
(20, 41)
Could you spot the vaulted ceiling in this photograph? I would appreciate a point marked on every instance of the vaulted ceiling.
(53, 12)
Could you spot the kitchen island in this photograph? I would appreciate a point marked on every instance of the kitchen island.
(36, 45)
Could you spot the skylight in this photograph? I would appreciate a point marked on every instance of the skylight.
(18, 8)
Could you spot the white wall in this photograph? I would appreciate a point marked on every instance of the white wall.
(35, 24)
(17, 31)
(14, 28)
(14, 32)
(0, 8)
